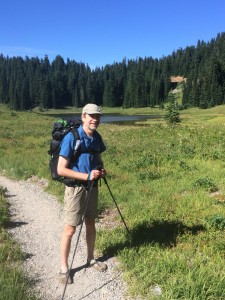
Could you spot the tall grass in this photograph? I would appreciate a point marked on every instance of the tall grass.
(169, 184)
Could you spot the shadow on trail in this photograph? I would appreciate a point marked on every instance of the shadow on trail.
(164, 234)
(98, 287)
(85, 266)
(75, 270)
(14, 224)
(9, 196)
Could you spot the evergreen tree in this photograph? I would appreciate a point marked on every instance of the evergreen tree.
(3, 86)
(109, 94)
(82, 86)
(172, 115)
(46, 94)
(90, 89)
(59, 78)
(205, 94)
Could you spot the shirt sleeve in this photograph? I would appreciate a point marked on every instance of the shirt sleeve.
(67, 146)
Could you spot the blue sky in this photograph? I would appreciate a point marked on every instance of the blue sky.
(100, 32)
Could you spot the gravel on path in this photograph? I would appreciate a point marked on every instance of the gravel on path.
(37, 222)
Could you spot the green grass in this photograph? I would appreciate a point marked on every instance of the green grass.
(13, 284)
(169, 184)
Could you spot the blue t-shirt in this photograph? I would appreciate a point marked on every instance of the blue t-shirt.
(86, 161)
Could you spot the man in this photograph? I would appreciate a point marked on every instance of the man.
(84, 170)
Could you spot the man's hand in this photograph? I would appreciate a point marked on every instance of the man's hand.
(94, 175)
(97, 174)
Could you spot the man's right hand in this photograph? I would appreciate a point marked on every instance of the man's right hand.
(94, 175)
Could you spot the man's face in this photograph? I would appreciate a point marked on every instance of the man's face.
(91, 121)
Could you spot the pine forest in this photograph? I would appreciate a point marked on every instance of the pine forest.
(26, 83)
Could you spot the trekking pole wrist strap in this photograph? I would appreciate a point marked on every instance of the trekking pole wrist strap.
(89, 176)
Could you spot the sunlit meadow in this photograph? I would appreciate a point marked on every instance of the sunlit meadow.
(168, 182)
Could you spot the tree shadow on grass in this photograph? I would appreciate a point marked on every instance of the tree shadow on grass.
(162, 233)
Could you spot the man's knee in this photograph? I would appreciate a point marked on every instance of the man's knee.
(69, 230)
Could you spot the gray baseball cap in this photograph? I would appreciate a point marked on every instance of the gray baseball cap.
(91, 109)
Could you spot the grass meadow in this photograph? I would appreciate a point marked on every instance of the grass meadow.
(13, 284)
(169, 183)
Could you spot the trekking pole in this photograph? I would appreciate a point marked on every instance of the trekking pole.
(82, 222)
(128, 231)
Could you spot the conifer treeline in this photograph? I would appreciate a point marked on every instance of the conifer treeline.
(30, 82)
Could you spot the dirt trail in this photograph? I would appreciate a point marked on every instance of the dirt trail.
(37, 221)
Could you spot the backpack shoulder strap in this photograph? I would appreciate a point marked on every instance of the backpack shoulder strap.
(77, 149)
(75, 134)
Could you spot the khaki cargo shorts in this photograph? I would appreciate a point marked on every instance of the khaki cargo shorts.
(75, 199)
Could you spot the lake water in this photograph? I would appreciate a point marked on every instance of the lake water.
(126, 119)
(114, 119)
